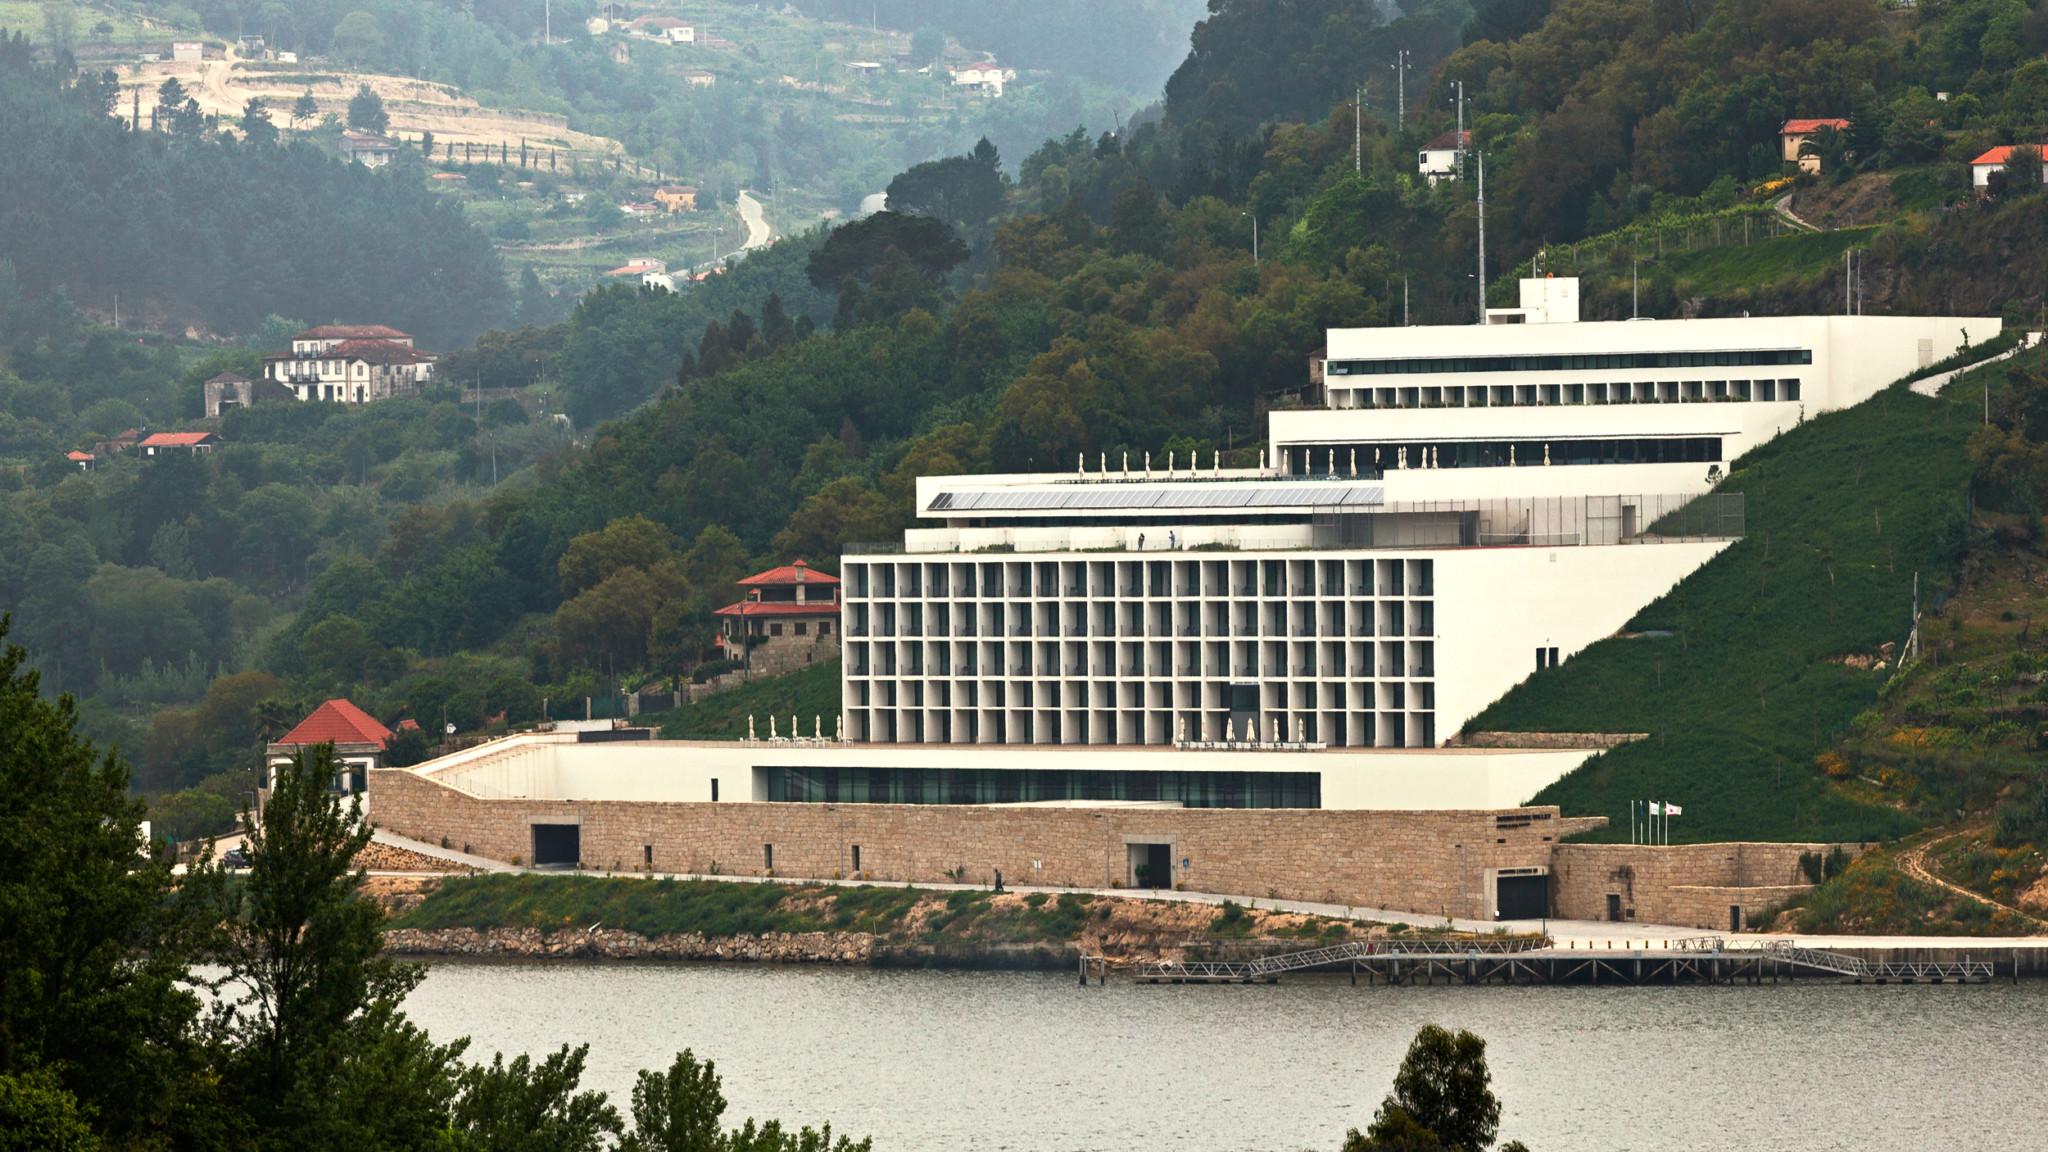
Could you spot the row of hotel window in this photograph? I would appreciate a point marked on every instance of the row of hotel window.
(1505, 453)
(1330, 618)
(1271, 659)
(1125, 578)
(1565, 395)
(1039, 786)
(1238, 697)
(1103, 727)
(1430, 365)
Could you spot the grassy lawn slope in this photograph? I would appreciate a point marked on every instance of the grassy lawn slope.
(809, 695)
(1749, 687)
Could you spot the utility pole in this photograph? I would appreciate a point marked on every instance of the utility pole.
(547, 22)
(1635, 291)
(1481, 157)
(1401, 95)
(1461, 128)
(1358, 130)
(1404, 301)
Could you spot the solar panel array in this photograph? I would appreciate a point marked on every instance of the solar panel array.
(1117, 497)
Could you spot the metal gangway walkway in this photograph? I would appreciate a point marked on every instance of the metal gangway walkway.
(1270, 968)
(1862, 971)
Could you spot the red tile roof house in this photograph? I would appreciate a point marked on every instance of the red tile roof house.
(168, 443)
(1794, 135)
(1994, 161)
(86, 461)
(789, 620)
(359, 742)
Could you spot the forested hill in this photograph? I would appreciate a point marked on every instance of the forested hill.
(1099, 294)
(1126, 42)
(195, 230)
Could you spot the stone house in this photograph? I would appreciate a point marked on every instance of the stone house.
(232, 390)
(677, 197)
(350, 364)
(789, 620)
(367, 149)
(1794, 136)
(359, 742)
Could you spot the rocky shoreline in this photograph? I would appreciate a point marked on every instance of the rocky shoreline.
(854, 948)
(849, 949)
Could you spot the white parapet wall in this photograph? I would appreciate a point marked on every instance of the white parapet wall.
(532, 767)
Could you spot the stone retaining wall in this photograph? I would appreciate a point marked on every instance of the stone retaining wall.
(1428, 862)
(1694, 885)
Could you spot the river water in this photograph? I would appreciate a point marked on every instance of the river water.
(988, 1060)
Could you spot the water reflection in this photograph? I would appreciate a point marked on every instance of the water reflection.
(950, 1060)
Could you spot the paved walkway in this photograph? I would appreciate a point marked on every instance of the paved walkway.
(461, 860)
(1933, 385)
(1783, 207)
(1568, 934)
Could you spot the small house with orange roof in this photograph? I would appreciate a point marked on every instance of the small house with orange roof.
(789, 619)
(172, 443)
(359, 741)
(1996, 160)
(1793, 137)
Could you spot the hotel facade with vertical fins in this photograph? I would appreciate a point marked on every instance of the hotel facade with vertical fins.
(1442, 513)
(1243, 680)
(1448, 511)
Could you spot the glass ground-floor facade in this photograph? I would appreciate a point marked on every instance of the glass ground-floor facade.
(1022, 786)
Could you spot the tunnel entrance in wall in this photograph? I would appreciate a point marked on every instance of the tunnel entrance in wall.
(1521, 894)
(1151, 866)
(557, 845)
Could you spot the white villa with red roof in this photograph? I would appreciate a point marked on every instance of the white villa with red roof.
(1438, 159)
(1995, 161)
(351, 364)
(789, 620)
(358, 739)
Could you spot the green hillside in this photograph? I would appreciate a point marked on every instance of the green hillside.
(807, 695)
(1748, 688)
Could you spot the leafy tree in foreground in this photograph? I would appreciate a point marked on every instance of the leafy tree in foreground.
(1442, 1100)
(522, 1106)
(304, 953)
(679, 1111)
(90, 954)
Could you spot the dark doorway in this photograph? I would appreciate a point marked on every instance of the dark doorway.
(1614, 907)
(1151, 865)
(1735, 917)
(1522, 897)
(557, 845)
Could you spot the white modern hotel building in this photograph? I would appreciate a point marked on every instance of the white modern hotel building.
(1453, 509)
(1456, 508)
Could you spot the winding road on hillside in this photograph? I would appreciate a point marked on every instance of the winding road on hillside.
(1783, 207)
(759, 234)
(1913, 862)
